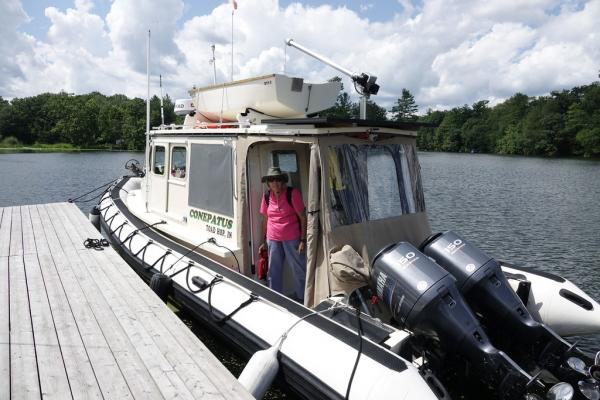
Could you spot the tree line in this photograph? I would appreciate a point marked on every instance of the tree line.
(84, 121)
(563, 123)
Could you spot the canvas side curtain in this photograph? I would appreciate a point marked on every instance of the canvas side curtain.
(317, 278)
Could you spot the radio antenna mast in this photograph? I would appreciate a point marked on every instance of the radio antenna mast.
(213, 61)
(364, 83)
(162, 109)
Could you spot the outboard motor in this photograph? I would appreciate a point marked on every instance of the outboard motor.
(423, 298)
(481, 280)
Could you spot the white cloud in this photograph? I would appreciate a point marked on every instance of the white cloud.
(447, 52)
(77, 28)
(12, 44)
(129, 21)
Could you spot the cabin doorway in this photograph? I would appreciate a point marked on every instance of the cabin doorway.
(293, 159)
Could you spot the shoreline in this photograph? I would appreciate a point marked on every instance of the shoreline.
(61, 150)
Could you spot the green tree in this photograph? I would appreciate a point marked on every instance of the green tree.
(405, 108)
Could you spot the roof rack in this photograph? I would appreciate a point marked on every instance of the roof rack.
(348, 122)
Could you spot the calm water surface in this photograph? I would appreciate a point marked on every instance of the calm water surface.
(534, 212)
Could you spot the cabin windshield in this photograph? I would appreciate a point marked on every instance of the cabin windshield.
(373, 181)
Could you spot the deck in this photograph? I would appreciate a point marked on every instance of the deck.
(77, 323)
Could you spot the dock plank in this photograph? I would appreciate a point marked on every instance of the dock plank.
(126, 359)
(5, 228)
(82, 325)
(27, 231)
(110, 378)
(170, 325)
(54, 383)
(24, 380)
(157, 365)
(16, 236)
(4, 331)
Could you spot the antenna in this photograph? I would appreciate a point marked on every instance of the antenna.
(363, 83)
(162, 110)
(147, 155)
(213, 61)
(233, 8)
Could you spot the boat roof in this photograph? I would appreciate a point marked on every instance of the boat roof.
(295, 126)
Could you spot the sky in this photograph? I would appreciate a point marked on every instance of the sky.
(446, 52)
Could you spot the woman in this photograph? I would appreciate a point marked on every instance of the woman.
(284, 224)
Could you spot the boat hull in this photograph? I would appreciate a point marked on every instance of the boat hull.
(317, 357)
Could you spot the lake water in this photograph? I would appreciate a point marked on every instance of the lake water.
(533, 212)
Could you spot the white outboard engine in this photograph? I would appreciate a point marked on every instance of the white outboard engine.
(481, 280)
(423, 298)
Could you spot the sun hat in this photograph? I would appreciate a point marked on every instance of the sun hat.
(275, 172)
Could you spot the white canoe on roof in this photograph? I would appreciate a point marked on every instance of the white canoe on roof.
(275, 95)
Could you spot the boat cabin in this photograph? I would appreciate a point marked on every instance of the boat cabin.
(360, 181)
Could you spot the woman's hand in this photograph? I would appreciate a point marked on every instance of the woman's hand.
(302, 246)
(262, 247)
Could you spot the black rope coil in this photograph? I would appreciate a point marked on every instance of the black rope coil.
(96, 244)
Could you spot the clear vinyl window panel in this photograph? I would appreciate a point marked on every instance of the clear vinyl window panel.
(371, 182)
(211, 183)
(178, 162)
(286, 160)
(158, 166)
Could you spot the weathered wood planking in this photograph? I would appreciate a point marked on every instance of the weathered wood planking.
(186, 340)
(82, 325)
(4, 331)
(165, 332)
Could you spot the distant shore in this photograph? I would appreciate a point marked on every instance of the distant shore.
(58, 148)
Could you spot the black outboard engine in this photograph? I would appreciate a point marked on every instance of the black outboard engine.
(481, 280)
(423, 298)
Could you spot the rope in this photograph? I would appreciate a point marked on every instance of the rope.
(360, 344)
(146, 226)
(210, 240)
(253, 297)
(118, 228)
(162, 260)
(150, 241)
(285, 334)
(96, 244)
(213, 241)
(91, 191)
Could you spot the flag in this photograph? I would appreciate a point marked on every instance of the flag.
(233, 4)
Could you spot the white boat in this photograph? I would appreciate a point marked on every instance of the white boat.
(390, 310)
(270, 96)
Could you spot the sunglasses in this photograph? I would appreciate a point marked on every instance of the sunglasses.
(275, 179)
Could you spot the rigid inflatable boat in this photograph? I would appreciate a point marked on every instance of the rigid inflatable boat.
(391, 310)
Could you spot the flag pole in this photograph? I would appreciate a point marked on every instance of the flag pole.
(233, 8)
(232, 11)
(147, 155)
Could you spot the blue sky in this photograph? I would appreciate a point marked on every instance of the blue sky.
(446, 52)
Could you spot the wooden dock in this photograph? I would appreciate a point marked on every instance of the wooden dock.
(78, 323)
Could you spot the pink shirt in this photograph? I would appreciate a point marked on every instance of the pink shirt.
(282, 222)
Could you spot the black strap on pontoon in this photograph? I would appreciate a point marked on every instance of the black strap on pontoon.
(106, 207)
(218, 278)
(108, 221)
(118, 228)
(162, 260)
(143, 249)
(135, 232)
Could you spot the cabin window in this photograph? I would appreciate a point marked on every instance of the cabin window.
(371, 182)
(211, 184)
(286, 160)
(178, 162)
(159, 160)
